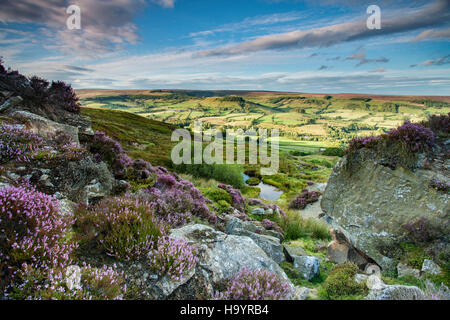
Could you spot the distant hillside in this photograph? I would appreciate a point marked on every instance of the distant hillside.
(140, 137)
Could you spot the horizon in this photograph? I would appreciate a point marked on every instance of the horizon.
(315, 47)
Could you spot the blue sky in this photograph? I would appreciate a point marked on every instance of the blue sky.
(320, 46)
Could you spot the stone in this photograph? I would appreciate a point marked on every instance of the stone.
(221, 257)
(10, 103)
(43, 126)
(301, 293)
(429, 267)
(405, 270)
(337, 252)
(307, 266)
(361, 278)
(258, 211)
(374, 283)
(291, 252)
(236, 223)
(396, 292)
(362, 196)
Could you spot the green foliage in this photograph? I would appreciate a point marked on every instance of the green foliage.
(341, 282)
(296, 227)
(338, 152)
(225, 173)
(414, 255)
(253, 181)
(217, 195)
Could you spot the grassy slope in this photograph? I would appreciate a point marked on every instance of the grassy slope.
(140, 137)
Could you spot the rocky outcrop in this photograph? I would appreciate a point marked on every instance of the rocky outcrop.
(307, 266)
(221, 257)
(369, 202)
(341, 250)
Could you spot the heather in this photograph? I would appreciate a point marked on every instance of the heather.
(305, 198)
(70, 283)
(18, 144)
(341, 282)
(255, 285)
(237, 200)
(106, 149)
(172, 257)
(122, 227)
(34, 232)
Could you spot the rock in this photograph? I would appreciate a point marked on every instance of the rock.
(374, 283)
(301, 293)
(370, 202)
(43, 126)
(396, 292)
(271, 245)
(361, 278)
(258, 211)
(290, 252)
(405, 270)
(308, 266)
(221, 257)
(10, 103)
(372, 269)
(341, 250)
(429, 267)
(236, 223)
(337, 252)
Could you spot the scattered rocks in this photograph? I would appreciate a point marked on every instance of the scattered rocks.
(405, 270)
(429, 267)
(396, 292)
(291, 252)
(307, 266)
(374, 283)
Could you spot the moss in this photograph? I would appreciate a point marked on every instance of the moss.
(250, 192)
(253, 181)
(341, 283)
(216, 194)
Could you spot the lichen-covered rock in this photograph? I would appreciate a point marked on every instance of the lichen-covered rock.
(405, 270)
(291, 252)
(396, 292)
(307, 266)
(370, 202)
(221, 257)
(429, 267)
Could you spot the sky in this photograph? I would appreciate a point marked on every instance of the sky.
(316, 46)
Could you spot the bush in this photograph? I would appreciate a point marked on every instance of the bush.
(175, 200)
(237, 200)
(305, 198)
(421, 231)
(18, 144)
(217, 194)
(229, 174)
(255, 285)
(296, 227)
(33, 232)
(253, 181)
(63, 95)
(109, 150)
(336, 152)
(71, 283)
(440, 124)
(172, 258)
(413, 135)
(341, 282)
(122, 227)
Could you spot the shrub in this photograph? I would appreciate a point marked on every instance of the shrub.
(70, 283)
(305, 198)
(415, 136)
(341, 282)
(176, 201)
(255, 285)
(2, 67)
(414, 254)
(217, 194)
(18, 144)
(440, 124)
(336, 152)
(109, 150)
(253, 181)
(172, 258)
(362, 142)
(33, 231)
(123, 227)
(271, 225)
(295, 227)
(237, 200)
(421, 230)
(63, 95)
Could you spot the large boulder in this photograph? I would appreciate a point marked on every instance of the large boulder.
(369, 202)
(221, 257)
(396, 292)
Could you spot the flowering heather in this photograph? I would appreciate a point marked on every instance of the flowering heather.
(63, 95)
(305, 198)
(433, 293)
(176, 201)
(276, 208)
(439, 186)
(17, 144)
(414, 135)
(238, 201)
(256, 285)
(70, 283)
(172, 257)
(362, 142)
(140, 170)
(421, 230)
(34, 231)
(271, 225)
(122, 227)
(109, 150)
(439, 123)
